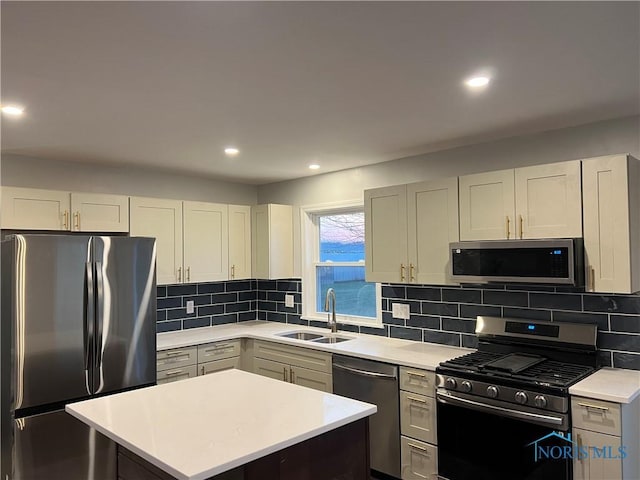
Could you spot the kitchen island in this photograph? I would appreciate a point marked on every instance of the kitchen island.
(232, 424)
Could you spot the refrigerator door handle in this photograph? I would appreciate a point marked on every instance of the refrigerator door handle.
(99, 322)
(89, 325)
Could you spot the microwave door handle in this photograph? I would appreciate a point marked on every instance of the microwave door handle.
(89, 325)
(449, 398)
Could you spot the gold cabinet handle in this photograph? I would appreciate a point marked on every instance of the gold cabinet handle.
(507, 227)
(284, 374)
(233, 271)
(416, 374)
(417, 447)
(188, 274)
(591, 406)
(293, 376)
(592, 279)
(175, 372)
(65, 220)
(179, 274)
(202, 370)
(411, 275)
(76, 221)
(417, 400)
(402, 272)
(521, 222)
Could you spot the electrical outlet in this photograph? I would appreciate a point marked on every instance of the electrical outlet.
(288, 301)
(400, 310)
(190, 306)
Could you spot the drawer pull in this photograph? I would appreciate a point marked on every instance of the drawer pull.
(219, 347)
(173, 354)
(414, 399)
(175, 372)
(593, 407)
(416, 374)
(417, 447)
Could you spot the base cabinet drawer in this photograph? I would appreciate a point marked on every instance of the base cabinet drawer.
(175, 374)
(295, 356)
(596, 458)
(418, 381)
(418, 416)
(176, 357)
(218, 350)
(596, 415)
(419, 460)
(218, 365)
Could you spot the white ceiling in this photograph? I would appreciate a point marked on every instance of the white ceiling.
(342, 84)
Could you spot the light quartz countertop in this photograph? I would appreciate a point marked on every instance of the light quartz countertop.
(206, 425)
(611, 384)
(391, 350)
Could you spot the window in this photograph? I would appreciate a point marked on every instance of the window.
(334, 258)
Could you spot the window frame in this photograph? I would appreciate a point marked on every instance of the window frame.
(310, 256)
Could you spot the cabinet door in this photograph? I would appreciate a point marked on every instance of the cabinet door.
(611, 223)
(162, 219)
(549, 201)
(432, 224)
(268, 368)
(173, 375)
(419, 460)
(487, 205)
(418, 416)
(385, 218)
(272, 241)
(596, 466)
(206, 236)
(31, 209)
(239, 242)
(218, 365)
(312, 379)
(92, 212)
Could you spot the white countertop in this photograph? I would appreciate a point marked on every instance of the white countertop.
(207, 425)
(611, 384)
(392, 350)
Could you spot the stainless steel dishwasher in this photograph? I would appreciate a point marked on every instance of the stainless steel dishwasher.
(377, 383)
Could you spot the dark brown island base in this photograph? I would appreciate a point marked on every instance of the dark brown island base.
(341, 454)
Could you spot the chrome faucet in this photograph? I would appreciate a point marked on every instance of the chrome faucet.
(330, 301)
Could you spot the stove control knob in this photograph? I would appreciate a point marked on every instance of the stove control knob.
(521, 398)
(466, 386)
(451, 383)
(540, 401)
(492, 391)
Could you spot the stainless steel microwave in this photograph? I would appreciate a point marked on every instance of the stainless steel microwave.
(548, 261)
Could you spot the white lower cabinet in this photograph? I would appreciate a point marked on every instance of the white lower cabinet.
(302, 366)
(175, 374)
(418, 422)
(182, 363)
(218, 365)
(419, 459)
(594, 467)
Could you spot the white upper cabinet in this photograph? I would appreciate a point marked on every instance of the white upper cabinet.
(385, 216)
(272, 241)
(239, 242)
(206, 236)
(34, 209)
(162, 219)
(549, 201)
(487, 206)
(542, 201)
(432, 224)
(408, 229)
(611, 202)
(91, 212)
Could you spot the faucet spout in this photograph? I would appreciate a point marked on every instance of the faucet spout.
(330, 306)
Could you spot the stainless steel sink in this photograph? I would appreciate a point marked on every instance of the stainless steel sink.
(331, 339)
(300, 335)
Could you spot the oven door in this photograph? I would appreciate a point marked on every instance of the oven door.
(483, 441)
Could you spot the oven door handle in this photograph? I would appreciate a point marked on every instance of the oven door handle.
(449, 398)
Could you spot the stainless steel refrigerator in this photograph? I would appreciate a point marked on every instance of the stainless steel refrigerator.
(78, 320)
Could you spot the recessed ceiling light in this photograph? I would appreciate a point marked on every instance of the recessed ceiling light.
(314, 166)
(475, 82)
(231, 151)
(13, 110)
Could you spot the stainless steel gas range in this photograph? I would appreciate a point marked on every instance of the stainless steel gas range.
(498, 406)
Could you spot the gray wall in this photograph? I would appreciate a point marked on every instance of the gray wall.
(591, 140)
(19, 171)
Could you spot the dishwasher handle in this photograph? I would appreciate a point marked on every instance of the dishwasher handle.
(365, 373)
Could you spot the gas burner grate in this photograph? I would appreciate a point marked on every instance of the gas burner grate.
(472, 360)
(555, 373)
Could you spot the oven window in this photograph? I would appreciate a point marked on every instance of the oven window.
(481, 446)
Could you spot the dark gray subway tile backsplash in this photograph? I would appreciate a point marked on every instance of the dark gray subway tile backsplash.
(444, 315)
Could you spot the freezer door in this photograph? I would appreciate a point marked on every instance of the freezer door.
(125, 331)
(57, 446)
(48, 307)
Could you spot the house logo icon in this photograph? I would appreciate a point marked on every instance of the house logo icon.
(563, 450)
